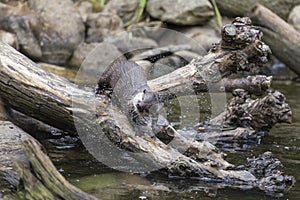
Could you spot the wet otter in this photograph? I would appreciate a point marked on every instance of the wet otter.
(130, 91)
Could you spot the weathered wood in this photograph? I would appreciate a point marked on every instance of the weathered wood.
(41, 180)
(240, 49)
(282, 38)
(245, 118)
(10, 148)
(257, 85)
(33, 91)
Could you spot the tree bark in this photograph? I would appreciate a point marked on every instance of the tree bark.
(283, 39)
(40, 179)
(166, 90)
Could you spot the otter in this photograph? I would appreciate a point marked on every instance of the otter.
(129, 90)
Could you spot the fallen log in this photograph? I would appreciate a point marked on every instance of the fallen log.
(31, 90)
(256, 85)
(54, 100)
(11, 138)
(39, 178)
(282, 38)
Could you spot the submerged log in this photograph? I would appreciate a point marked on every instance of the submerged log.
(283, 39)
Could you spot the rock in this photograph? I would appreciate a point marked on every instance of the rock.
(9, 38)
(146, 65)
(81, 52)
(126, 42)
(168, 37)
(204, 35)
(125, 9)
(100, 25)
(166, 65)
(157, 53)
(181, 12)
(237, 8)
(85, 8)
(20, 21)
(187, 56)
(294, 17)
(95, 63)
(59, 32)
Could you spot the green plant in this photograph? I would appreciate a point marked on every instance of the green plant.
(138, 14)
(218, 14)
(97, 4)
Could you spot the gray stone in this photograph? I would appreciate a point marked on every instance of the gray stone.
(294, 17)
(126, 42)
(146, 65)
(125, 9)
(101, 25)
(95, 64)
(85, 8)
(181, 12)
(204, 35)
(188, 56)
(234, 8)
(9, 38)
(20, 21)
(61, 29)
(168, 37)
(81, 52)
(166, 65)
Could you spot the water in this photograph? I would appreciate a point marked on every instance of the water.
(85, 172)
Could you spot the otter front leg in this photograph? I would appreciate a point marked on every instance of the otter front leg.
(103, 87)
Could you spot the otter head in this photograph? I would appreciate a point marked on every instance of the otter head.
(148, 99)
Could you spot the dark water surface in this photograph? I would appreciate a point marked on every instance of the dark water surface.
(74, 162)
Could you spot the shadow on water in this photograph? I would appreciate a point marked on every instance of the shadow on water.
(82, 170)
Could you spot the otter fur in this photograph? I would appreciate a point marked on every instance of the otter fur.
(130, 91)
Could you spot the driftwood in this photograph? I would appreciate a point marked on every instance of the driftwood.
(53, 97)
(282, 38)
(40, 179)
(257, 85)
(236, 52)
(31, 90)
(246, 118)
(10, 148)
